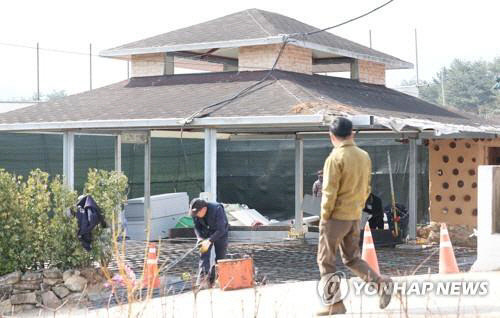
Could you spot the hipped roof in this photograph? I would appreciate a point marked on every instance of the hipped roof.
(253, 27)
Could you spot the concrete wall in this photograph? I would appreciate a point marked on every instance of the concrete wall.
(147, 65)
(488, 253)
(368, 72)
(262, 57)
(152, 65)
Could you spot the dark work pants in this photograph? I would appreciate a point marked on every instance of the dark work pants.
(220, 247)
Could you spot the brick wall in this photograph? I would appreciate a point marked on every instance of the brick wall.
(148, 65)
(368, 72)
(262, 57)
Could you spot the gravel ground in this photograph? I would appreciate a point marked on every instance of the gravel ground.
(289, 261)
(279, 262)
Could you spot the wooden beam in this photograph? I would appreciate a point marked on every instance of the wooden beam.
(206, 57)
(333, 60)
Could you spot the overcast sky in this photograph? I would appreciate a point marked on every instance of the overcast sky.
(447, 29)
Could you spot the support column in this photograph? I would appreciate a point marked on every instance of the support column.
(147, 183)
(118, 153)
(488, 219)
(169, 64)
(211, 163)
(69, 159)
(413, 190)
(299, 184)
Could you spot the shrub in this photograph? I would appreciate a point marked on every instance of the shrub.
(34, 211)
(66, 250)
(36, 228)
(109, 190)
(10, 223)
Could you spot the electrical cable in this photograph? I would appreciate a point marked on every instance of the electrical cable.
(180, 60)
(246, 91)
(243, 92)
(350, 20)
(286, 39)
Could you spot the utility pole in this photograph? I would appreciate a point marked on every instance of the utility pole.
(370, 35)
(90, 64)
(37, 71)
(416, 57)
(442, 86)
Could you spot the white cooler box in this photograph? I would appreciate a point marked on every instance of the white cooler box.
(166, 210)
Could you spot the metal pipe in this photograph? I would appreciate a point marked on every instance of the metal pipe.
(210, 170)
(118, 153)
(147, 185)
(413, 189)
(69, 159)
(299, 183)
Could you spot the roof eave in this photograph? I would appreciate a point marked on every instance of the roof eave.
(191, 46)
(390, 63)
(172, 123)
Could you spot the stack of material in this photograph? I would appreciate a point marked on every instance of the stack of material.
(242, 215)
(166, 211)
(460, 235)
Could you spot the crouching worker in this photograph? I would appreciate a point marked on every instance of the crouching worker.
(211, 229)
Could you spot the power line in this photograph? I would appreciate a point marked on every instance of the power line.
(44, 49)
(244, 92)
(286, 39)
(254, 87)
(180, 61)
(350, 20)
(204, 54)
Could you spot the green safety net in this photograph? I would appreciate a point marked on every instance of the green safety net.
(259, 174)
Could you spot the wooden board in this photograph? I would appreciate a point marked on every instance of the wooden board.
(452, 161)
(453, 180)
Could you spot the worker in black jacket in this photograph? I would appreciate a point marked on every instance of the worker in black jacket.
(89, 215)
(373, 206)
(211, 228)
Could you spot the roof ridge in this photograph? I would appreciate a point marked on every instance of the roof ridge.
(258, 11)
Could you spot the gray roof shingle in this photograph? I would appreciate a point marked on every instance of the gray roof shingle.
(179, 96)
(254, 24)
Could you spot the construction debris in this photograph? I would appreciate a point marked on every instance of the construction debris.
(242, 215)
(460, 235)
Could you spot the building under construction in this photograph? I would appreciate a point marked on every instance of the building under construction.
(260, 82)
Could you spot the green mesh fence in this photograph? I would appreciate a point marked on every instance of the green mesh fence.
(257, 173)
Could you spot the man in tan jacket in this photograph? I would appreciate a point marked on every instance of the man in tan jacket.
(346, 186)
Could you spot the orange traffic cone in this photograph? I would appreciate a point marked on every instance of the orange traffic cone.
(447, 261)
(151, 278)
(369, 255)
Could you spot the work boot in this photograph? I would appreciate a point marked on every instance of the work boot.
(385, 290)
(334, 309)
(204, 282)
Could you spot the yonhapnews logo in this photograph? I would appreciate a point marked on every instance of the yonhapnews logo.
(330, 288)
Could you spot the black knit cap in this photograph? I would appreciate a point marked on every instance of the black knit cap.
(196, 205)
